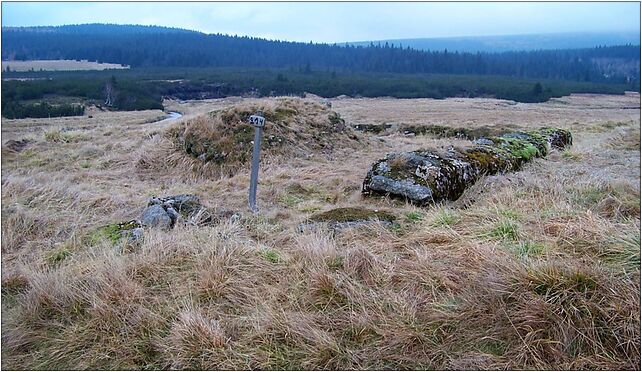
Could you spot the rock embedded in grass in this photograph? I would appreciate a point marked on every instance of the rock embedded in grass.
(156, 216)
(442, 131)
(343, 218)
(425, 176)
(166, 212)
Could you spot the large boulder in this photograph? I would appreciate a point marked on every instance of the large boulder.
(425, 176)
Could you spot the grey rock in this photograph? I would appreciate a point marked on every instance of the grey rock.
(156, 216)
(137, 234)
(483, 141)
(406, 187)
(175, 216)
(424, 176)
(335, 226)
(183, 209)
(133, 237)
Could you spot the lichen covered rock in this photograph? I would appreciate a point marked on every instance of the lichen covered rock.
(442, 131)
(425, 176)
(166, 212)
(343, 218)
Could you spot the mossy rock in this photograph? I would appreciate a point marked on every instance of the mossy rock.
(372, 128)
(352, 214)
(431, 175)
(442, 131)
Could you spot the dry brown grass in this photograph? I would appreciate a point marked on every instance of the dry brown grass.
(538, 269)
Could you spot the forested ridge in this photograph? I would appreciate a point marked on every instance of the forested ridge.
(151, 46)
(182, 64)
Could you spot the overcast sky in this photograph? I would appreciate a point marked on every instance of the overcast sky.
(337, 22)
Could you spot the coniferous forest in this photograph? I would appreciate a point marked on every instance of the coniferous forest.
(214, 65)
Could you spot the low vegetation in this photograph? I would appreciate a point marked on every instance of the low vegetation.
(537, 269)
(15, 110)
(223, 140)
(144, 88)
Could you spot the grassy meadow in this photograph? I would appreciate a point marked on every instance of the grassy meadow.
(537, 269)
(58, 65)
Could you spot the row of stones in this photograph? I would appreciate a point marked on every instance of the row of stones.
(425, 176)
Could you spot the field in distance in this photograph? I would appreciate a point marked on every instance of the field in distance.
(59, 65)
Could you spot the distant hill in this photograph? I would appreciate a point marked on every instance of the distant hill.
(100, 29)
(153, 46)
(507, 43)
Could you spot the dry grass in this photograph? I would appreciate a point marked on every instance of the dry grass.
(538, 269)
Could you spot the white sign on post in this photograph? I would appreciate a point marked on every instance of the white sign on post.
(257, 121)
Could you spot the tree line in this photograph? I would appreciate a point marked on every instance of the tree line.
(145, 46)
(144, 89)
(17, 110)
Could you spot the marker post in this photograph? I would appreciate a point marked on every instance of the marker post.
(257, 121)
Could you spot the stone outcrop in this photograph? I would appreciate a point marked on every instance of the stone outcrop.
(342, 218)
(372, 128)
(425, 176)
(184, 209)
(441, 131)
(162, 213)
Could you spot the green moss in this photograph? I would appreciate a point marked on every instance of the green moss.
(520, 149)
(485, 159)
(442, 131)
(290, 200)
(112, 232)
(528, 152)
(243, 134)
(352, 214)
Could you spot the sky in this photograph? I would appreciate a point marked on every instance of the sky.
(338, 22)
